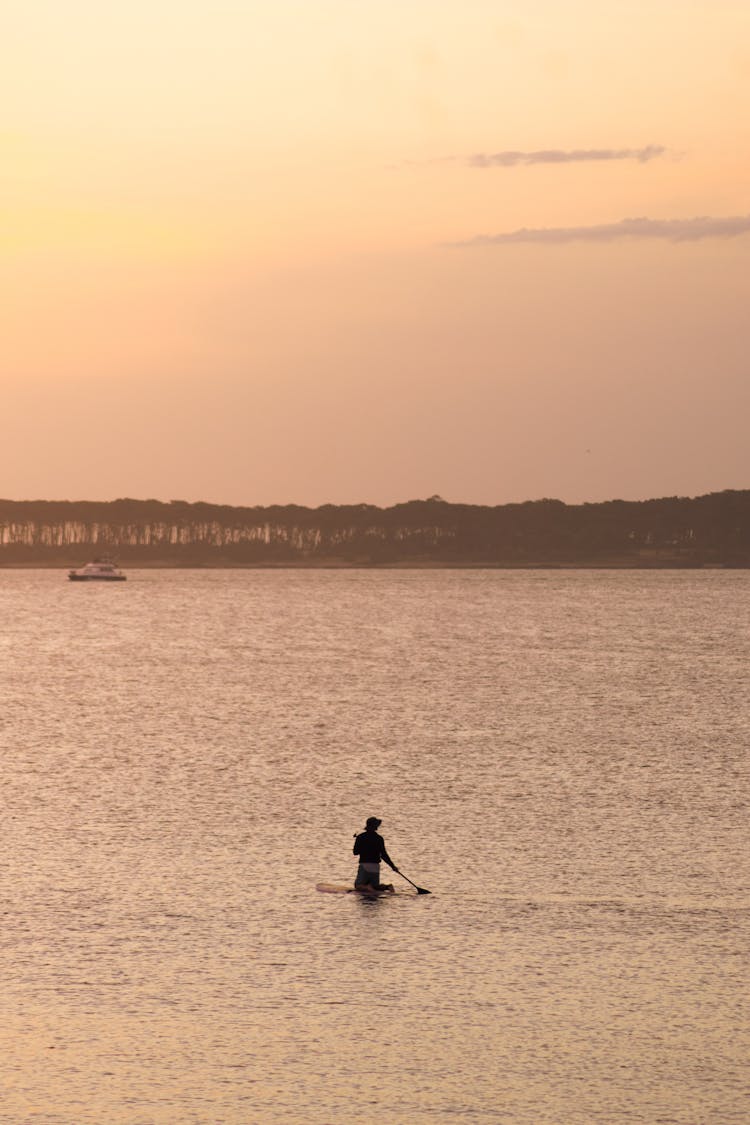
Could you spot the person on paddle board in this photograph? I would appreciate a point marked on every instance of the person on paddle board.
(370, 847)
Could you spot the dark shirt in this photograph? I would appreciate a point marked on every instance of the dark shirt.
(370, 847)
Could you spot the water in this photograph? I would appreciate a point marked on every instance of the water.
(561, 757)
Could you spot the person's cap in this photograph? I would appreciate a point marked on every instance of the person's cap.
(373, 822)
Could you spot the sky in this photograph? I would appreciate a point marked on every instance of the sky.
(339, 251)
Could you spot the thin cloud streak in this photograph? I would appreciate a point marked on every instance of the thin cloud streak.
(514, 158)
(673, 230)
(511, 159)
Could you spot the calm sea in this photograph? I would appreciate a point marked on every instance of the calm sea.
(560, 757)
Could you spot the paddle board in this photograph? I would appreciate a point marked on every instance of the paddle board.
(343, 889)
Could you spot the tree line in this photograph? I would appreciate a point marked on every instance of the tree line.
(675, 531)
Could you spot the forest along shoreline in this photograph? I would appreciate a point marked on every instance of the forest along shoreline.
(711, 531)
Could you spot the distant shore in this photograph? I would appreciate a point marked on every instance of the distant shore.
(672, 533)
(666, 564)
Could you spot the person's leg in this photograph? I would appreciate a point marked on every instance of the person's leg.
(368, 877)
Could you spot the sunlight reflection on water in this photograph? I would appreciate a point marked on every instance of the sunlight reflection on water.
(560, 757)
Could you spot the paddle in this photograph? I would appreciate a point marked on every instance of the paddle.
(419, 890)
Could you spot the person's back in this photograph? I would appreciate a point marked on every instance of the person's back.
(369, 846)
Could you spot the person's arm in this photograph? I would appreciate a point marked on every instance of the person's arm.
(387, 859)
(355, 849)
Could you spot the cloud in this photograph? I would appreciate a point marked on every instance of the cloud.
(673, 230)
(511, 159)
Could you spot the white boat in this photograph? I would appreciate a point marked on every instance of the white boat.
(100, 570)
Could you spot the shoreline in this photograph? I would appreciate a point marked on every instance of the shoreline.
(424, 565)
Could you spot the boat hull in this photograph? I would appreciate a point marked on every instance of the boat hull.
(97, 578)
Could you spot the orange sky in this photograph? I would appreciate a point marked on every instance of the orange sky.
(336, 251)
